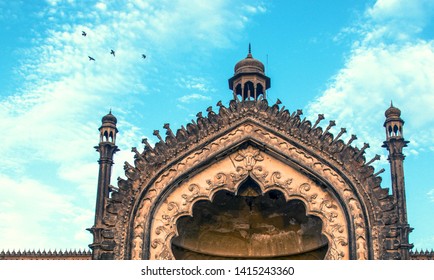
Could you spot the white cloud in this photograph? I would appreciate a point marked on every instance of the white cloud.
(384, 10)
(431, 195)
(53, 2)
(260, 8)
(101, 5)
(32, 213)
(397, 20)
(378, 71)
(196, 83)
(193, 98)
(52, 119)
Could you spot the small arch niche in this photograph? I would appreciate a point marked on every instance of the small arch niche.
(249, 91)
(105, 136)
(259, 90)
(238, 90)
(249, 225)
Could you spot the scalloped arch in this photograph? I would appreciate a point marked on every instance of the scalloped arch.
(327, 161)
(267, 248)
(178, 197)
(266, 170)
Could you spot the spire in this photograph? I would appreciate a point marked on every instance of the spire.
(249, 55)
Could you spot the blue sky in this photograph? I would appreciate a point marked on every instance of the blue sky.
(346, 59)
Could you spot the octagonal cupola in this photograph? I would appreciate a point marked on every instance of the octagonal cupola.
(249, 80)
(108, 128)
(393, 123)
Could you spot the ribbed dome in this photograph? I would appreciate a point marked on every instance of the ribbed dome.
(109, 118)
(392, 112)
(249, 65)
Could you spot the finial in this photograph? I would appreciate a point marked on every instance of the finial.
(250, 51)
(110, 112)
(391, 103)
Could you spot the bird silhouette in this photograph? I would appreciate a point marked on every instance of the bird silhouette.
(91, 58)
(144, 56)
(83, 33)
(112, 52)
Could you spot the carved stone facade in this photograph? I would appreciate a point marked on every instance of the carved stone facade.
(213, 183)
(249, 181)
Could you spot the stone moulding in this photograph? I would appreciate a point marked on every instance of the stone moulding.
(326, 160)
(246, 164)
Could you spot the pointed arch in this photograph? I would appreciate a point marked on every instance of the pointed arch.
(335, 169)
(259, 90)
(105, 136)
(248, 91)
(179, 200)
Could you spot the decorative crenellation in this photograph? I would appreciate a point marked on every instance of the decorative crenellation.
(422, 254)
(46, 255)
(174, 144)
(206, 137)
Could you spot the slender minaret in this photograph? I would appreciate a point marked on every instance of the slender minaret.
(395, 144)
(106, 148)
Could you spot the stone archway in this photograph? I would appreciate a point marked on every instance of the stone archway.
(249, 225)
(228, 174)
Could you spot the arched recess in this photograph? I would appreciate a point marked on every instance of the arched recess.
(259, 90)
(238, 90)
(248, 91)
(249, 225)
(222, 164)
(227, 174)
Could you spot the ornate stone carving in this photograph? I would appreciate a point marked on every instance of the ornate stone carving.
(250, 156)
(318, 202)
(326, 157)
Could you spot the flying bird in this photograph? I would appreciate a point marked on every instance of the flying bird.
(112, 52)
(91, 58)
(144, 56)
(83, 33)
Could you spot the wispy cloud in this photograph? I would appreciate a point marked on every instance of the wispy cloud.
(398, 19)
(387, 64)
(194, 83)
(260, 8)
(53, 117)
(193, 97)
(31, 207)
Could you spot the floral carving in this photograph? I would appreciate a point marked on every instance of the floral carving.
(304, 189)
(198, 141)
(240, 174)
(260, 174)
(245, 163)
(275, 180)
(218, 181)
(327, 210)
(194, 192)
(249, 156)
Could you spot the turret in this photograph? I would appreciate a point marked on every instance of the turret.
(249, 80)
(395, 144)
(106, 148)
